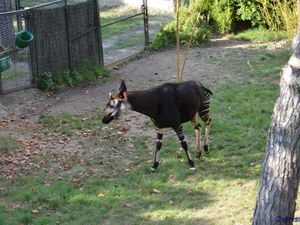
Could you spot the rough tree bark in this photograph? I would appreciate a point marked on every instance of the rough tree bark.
(276, 200)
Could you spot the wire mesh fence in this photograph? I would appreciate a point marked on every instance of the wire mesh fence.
(122, 32)
(126, 27)
(14, 61)
(67, 33)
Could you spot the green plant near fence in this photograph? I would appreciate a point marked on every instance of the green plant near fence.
(187, 23)
(71, 79)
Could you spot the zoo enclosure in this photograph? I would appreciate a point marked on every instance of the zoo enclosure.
(68, 35)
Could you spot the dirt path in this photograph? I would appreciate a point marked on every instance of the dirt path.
(221, 62)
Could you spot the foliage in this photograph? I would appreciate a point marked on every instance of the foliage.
(280, 15)
(189, 28)
(70, 79)
(47, 83)
(226, 16)
(248, 10)
(165, 37)
(222, 13)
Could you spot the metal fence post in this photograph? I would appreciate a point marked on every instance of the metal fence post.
(146, 22)
(68, 36)
(99, 33)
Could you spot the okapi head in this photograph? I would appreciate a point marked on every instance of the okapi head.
(115, 104)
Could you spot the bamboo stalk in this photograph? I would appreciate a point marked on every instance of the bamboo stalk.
(186, 52)
(177, 43)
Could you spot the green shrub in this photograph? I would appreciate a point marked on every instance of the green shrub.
(222, 16)
(199, 32)
(280, 15)
(47, 83)
(71, 79)
(165, 37)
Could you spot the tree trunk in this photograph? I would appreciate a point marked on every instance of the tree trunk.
(276, 200)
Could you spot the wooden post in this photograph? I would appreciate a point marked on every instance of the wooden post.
(99, 33)
(146, 22)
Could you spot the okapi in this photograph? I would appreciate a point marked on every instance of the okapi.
(168, 106)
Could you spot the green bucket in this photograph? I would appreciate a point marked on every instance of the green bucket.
(23, 38)
(4, 63)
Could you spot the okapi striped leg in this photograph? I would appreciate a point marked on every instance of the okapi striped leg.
(159, 136)
(207, 129)
(204, 115)
(179, 132)
(197, 128)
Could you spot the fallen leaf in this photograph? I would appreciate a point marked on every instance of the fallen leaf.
(101, 195)
(155, 191)
(171, 202)
(127, 205)
(35, 212)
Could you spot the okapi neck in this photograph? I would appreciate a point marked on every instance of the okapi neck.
(142, 102)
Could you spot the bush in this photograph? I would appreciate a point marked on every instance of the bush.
(280, 15)
(222, 16)
(225, 16)
(70, 79)
(199, 32)
(47, 83)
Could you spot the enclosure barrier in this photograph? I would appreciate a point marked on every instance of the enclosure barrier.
(62, 36)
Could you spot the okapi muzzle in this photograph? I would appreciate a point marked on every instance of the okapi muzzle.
(116, 104)
(113, 109)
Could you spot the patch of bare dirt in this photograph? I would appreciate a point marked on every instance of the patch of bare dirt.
(221, 62)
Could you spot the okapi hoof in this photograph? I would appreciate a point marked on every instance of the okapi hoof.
(154, 167)
(205, 147)
(153, 170)
(192, 165)
(192, 168)
(198, 155)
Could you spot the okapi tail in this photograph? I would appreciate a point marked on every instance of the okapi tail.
(208, 91)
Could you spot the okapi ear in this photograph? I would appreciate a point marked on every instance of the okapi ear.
(122, 87)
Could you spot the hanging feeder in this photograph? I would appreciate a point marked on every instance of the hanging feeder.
(23, 38)
(4, 60)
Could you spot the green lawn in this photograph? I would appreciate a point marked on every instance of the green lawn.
(261, 35)
(221, 191)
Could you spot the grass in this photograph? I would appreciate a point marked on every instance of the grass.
(261, 35)
(65, 79)
(8, 144)
(9, 74)
(130, 41)
(113, 14)
(222, 191)
(68, 124)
